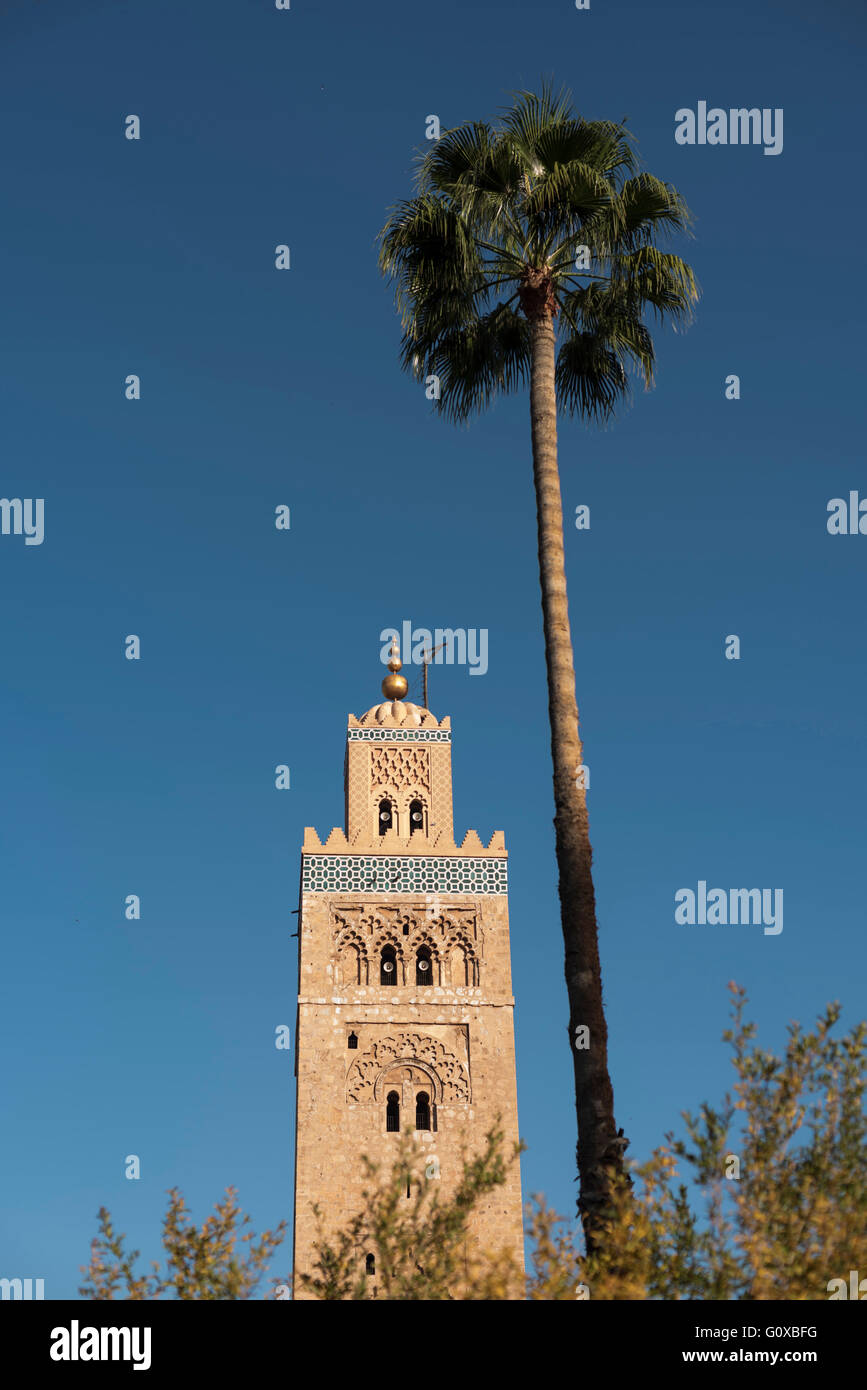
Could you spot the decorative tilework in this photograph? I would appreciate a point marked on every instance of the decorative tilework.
(357, 873)
(399, 735)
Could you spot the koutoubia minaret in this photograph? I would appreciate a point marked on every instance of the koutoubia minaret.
(405, 1006)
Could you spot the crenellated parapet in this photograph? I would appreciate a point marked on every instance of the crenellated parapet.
(392, 843)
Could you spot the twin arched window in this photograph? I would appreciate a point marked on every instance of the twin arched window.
(387, 819)
(392, 1112)
(423, 966)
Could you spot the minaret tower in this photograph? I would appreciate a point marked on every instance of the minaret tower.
(405, 1007)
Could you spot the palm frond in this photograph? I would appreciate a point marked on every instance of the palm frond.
(644, 208)
(611, 315)
(659, 279)
(590, 377)
(532, 114)
(468, 156)
(479, 174)
(569, 194)
(479, 362)
(604, 146)
(430, 254)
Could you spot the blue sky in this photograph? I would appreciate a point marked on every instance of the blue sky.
(259, 387)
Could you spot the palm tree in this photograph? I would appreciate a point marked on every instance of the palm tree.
(535, 230)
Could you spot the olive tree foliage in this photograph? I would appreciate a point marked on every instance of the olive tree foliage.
(220, 1260)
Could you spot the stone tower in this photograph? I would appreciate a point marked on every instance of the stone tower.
(404, 983)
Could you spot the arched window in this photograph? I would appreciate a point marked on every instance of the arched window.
(385, 816)
(423, 967)
(352, 1040)
(416, 817)
(422, 1110)
(388, 966)
(459, 962)
(370, 1265)
(349, 965)
(392, 1113)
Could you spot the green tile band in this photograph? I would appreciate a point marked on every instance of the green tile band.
(356, 873)
(399, 735)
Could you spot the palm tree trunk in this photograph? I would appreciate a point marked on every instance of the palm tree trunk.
(599, 1150)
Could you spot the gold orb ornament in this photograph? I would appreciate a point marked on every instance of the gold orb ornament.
(394, 687)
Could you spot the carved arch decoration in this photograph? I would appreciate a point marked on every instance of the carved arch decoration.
(439, 959)
(365, 1081)
(461, 964)
(431, 913)
(459, 940)
(365, 921)
(387, 936)
(386, 792)
(420, 936)
(386, 1081)
(447, 922)
(365, 931)
(351, 958)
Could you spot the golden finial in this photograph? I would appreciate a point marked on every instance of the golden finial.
(394, 687)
